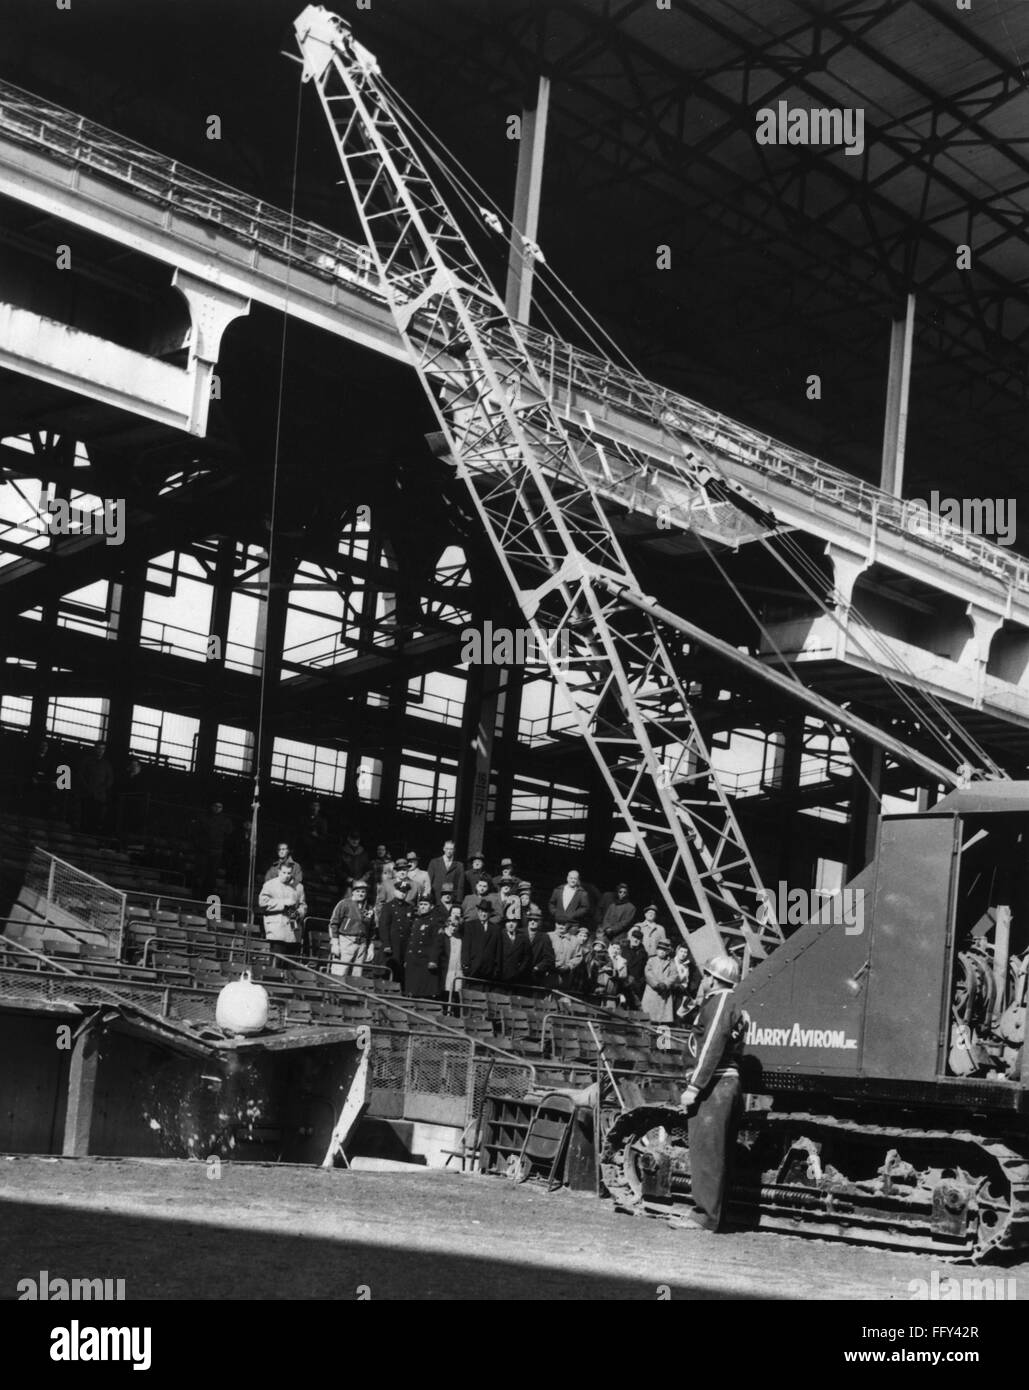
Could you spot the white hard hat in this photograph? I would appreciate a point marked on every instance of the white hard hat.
(723, 968)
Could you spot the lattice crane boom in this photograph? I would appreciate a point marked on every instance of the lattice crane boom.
(553, 540)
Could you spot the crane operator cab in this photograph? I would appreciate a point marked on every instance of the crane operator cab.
(989, 956)
(887, 1078)
(929, 979)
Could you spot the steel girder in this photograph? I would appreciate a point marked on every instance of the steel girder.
(548, 528)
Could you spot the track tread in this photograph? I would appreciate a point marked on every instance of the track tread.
(1011, 1233)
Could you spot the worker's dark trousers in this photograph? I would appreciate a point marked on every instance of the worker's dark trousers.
(712, 1135)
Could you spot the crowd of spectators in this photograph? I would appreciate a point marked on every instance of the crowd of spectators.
(432, 927)
(456, 921)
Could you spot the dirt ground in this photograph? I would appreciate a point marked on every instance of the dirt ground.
(176, 1230)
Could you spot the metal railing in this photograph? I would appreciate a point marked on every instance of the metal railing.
(71, 900)
(567, 371)
(29, 120)
(190, 643)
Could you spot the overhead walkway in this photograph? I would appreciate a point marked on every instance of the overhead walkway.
(888, 558)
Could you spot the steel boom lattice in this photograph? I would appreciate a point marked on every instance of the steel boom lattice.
(553, 540)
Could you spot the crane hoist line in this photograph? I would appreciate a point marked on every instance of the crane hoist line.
(548, 527)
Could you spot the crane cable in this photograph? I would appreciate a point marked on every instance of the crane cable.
(788, 668)
(465, 186)
(936, 730)
(881, 642)
(440, 160)
(269, 584)
(935, 704)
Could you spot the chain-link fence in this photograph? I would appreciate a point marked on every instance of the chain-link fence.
(88, 909)
(437, 1078)
(47, 987)
(500, 1076)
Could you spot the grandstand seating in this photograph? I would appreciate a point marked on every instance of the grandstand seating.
(180, 958)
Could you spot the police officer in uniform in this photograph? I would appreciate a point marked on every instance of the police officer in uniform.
(712, 1097)
(425, 953)
(395, 920)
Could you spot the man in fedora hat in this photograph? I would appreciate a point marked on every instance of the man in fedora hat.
(663, 985)
(544, 964)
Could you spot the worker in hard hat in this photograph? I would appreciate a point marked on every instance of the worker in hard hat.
(712, 1095)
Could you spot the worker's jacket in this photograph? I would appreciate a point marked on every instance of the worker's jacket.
(350, 919)
(284, 910)
(568, 950)
(615, 917)
(723, 1031)
(653, 932)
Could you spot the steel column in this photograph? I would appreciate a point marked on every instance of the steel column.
(864, 806)
(897, 390)
(477, 738)
(82, 1073)
(127, 602)
(269, 643)
(521, 267)
(221, 604)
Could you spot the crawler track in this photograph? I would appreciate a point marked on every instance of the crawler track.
(959, 1195)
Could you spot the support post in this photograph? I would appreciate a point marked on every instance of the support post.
(221, 605)
(600, 822)
(898, 386)
(786, 780)
(506, 752)
(528, 182)
(473, 773)
(82, 1071)
(211, 310)
(269, 644)
(64, 452)
(127, 602)
(42, 678)
(389, 783)
(864, 806)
